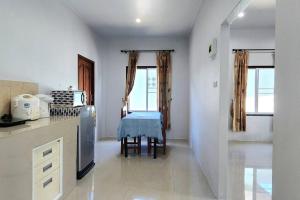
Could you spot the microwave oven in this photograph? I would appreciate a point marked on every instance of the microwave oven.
(66, 98)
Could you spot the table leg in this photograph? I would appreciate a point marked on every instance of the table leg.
(155, 148)
(126, 147)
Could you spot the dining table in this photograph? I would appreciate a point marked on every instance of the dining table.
(138, 124)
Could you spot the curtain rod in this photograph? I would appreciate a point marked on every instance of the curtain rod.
(153, 50)
(256, 50)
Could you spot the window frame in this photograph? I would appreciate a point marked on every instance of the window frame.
(257, 67)
(142, 67)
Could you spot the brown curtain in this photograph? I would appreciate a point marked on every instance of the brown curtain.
(240, 89)
(132, 62)
(164, 72)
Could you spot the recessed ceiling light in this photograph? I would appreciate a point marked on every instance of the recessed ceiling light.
(241, 14)
(138, 20)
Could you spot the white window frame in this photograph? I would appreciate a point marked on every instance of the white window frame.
(256, 113)
(146, 68)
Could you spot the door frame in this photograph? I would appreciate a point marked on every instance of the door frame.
(80, 57)
(225, 86)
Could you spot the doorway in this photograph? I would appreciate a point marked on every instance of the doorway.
(86, 74)
(248, 155)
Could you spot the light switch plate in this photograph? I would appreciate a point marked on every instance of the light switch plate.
(215, 84)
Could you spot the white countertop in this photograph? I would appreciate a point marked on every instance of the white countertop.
(30, 125)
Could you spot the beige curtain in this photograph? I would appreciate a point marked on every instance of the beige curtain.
(132, 62)
(164, 71)
(240, 89)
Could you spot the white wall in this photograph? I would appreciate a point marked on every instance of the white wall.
(259, 128)
(40, 41)
(286, 162)
(252, 38)
(206, 137)
(114, 80)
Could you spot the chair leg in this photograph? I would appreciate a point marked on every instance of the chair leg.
(164, 142)
(135, 144)
(122, 145)
(149, 145)
(126, 147)
(155, 148)
(139, 145)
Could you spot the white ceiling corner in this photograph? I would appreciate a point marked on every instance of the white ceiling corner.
(259, 14)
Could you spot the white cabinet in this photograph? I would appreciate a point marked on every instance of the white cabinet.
(47, 171)
(48, 188)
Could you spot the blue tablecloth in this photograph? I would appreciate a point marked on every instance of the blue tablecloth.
(147, 124)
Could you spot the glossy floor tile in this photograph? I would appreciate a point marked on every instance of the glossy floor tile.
(174, 176)
(250, 171)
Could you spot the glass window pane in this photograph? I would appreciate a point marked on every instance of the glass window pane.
(138, 94)
(152, 102)
(152, 80)
(266, 91)
(250, 100)
(152, 90)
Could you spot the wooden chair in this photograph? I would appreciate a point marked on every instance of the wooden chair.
(153, 143)
(134, 144)
(129, 143)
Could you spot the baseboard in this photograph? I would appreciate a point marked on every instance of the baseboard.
(168, 139)
(107, 138)
(215, 193)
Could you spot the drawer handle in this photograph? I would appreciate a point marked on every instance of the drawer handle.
(46, 183)
(49, 166)
(45, 153)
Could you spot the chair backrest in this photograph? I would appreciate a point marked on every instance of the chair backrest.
(124, 111)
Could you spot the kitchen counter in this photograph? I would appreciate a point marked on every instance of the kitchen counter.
(31, 125)
(16, 154)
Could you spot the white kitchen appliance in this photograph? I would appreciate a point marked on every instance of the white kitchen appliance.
(25, 107)
(67, 98)
(44, 105)
(86, 141)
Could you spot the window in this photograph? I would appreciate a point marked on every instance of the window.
(260, 90)
(143, 96)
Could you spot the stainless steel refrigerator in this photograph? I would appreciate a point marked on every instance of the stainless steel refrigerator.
(86, 141)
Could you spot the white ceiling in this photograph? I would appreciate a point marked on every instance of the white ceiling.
(259, 14)
(117, 17)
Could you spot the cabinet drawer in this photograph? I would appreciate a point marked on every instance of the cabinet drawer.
(48, 188)
(45, 168)
(46, 152)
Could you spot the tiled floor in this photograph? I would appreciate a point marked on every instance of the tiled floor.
(174, 176)
(250, 171)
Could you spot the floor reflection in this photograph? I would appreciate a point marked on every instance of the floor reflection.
(174, 176)
(258, 184)
(250, 171)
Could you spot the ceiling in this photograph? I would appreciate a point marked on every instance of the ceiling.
(117, 17)
(259, 14)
